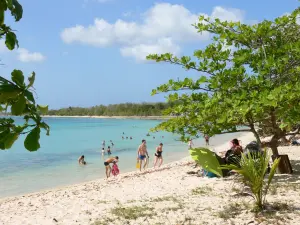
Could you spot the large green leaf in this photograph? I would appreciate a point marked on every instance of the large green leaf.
(18, 107)
(32, 140)
(16, 9)
(11, 40)
(18, 77)
(10, 139)
(29, 96)
(207, 159)
(7, 92)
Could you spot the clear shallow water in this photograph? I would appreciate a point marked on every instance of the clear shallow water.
(55, 164)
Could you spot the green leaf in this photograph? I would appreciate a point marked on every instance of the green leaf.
(18, 107)
(1, 16)
(207, 159)
(42, 108)
(8, 92)
(31, 79)
(29, 96)
(31, 142)
(11, 40)
(10, 139)
(18, 77)
(3, 135)
(16, 10)
(46, 127)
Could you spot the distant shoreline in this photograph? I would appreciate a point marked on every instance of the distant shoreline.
(115, 117)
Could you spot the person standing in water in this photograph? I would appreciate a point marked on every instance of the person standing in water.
(107, 165)
(141, 155)
(158, 155)
(206, 137)
(103, 151)
(108, 150)
(103, 144)
(190, 144)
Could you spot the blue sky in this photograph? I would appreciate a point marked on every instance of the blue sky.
(90, 52)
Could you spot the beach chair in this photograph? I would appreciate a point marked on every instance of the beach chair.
(208, 160)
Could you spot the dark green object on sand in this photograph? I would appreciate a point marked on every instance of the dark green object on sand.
(208, 160)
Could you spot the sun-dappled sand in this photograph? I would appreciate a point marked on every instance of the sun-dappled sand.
(173, 194)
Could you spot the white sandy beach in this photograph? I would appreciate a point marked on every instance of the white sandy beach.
(168, 196)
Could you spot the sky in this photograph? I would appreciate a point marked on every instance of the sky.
(92, 52)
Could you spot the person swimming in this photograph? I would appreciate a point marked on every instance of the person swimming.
(81, 160)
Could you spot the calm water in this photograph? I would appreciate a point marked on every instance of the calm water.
(55, 164)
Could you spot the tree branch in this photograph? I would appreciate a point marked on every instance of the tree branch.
(243, 130)
(192, 67)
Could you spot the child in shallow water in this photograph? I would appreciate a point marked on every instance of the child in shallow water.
(115, 169)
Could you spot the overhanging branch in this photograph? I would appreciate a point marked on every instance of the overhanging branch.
(242, 130)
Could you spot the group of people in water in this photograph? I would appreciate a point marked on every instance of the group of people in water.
(142, 158)
(108, 148)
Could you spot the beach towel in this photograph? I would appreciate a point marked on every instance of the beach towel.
(115, 170)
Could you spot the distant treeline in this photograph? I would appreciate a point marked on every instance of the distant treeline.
(125, 109)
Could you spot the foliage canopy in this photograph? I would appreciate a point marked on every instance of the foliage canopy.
(124, 109)
(16, 95)
(249, 81)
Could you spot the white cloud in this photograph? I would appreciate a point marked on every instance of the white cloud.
(162, 28)
(25, 56)
(140, 51)
(228, 14)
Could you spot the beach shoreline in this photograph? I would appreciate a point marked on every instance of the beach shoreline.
(218, 148)
(114, 117)
(169, 195)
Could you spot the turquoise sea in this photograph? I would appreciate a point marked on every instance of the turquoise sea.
(55, 163)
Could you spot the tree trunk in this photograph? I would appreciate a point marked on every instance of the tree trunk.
(274, 145)
(284, 166)
(256, 136)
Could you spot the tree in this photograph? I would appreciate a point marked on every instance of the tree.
(16, 95)
(249, 81)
